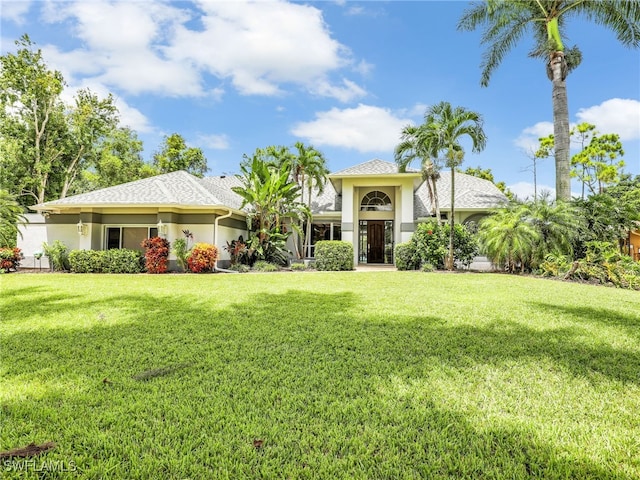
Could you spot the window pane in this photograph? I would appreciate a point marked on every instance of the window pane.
(132, 237)
(153, 232)
(113, 238)
(337, 231)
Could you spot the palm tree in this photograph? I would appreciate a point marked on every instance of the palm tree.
(11, 213)
(273, 198)
(309, 166)
(507, 238)
(419, 142)
(447, 127)
(505, 22)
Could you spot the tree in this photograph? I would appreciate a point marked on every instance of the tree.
(31, 121)
(273, 197)
(309, 167)
(448, 126)
(175, 155)
(505, 22)
(597, 164)
(419, 142)
(11, 213)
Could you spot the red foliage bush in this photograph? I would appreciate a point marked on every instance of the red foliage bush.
(9, 259)
(202, 258)
(156, 254)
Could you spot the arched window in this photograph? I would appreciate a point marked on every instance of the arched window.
(376, 202)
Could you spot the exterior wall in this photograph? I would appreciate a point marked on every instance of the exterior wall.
(399, 189)
(34, 234)
(634, 245)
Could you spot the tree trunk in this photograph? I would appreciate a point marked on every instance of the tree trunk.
(558, 70)
(436, 203)
(450, 260)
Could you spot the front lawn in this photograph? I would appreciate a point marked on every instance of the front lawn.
(370, 375)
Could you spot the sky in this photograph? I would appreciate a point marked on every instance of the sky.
(343, 76)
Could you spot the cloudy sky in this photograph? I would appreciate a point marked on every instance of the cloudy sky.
(344, 76)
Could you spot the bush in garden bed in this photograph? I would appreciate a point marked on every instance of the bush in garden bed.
(106, 261)
(9, 259)
(202, 258)
(156, 254)
(334, 255)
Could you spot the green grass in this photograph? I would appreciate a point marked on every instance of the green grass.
(366, 375)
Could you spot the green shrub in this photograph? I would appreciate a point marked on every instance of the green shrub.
(427, 267)
(123, 261)
(87, 261)
(262, 266)
(9, 259)
(406, 256)
(432, 243)
(58, 255)
(181, 250)
(202, 258)
(297, 267)
(106, 261)
(240, 268)
(334, 255)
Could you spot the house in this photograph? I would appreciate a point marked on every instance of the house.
(370, 205)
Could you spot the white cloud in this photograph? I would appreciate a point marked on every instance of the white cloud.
(274, 43)
(365, 128)
(617, 115)
(262, 48)
(528, 139)
(214, 141)
(15, 10)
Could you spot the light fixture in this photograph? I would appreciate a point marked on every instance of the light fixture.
(82, 228)
(162, 228)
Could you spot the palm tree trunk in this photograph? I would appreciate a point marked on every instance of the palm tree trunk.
(558, 70)
(450, 260)
(436, 203)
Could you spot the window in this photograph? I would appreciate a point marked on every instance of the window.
(376, 202)
(129, 237)
(325, 231)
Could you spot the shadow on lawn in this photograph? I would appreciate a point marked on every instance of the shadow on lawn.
(298, 360)
(630, 322)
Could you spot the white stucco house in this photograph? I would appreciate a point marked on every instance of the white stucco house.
(370, 205)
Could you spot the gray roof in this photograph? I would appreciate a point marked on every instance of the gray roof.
(175, 188)
(471, 193)
(372, 167)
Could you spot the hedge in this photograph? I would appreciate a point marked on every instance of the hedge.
(334, 255)
(106, 261)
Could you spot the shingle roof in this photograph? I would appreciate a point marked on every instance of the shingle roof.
(372, 167)
(175, 188)
(471, 193)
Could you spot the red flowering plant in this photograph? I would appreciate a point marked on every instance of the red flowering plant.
(202, 258)
(156, 254)
(9, 259)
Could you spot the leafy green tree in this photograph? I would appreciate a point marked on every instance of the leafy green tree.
(175, 155)
(89, 122)
(11, 214)
(31, 122)
(506, 22)
(119, 160)
(448, 126)
(419, 142)
(597, 164)
(273, 197)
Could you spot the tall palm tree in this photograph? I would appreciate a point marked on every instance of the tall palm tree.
(419, 142)
(448, 126)
(505, 22)
(310, 168)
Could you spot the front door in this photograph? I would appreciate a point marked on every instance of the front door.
(375, 241)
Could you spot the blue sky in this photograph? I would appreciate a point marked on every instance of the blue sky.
(344, 76)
